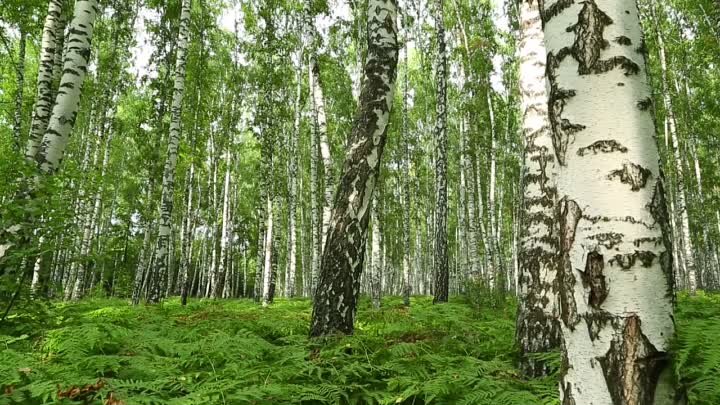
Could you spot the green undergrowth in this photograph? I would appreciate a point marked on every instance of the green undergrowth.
(235, 352)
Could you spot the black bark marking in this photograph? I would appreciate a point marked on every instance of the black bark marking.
(562, 128)
(634, 175)
(589, 43)
(554, 10)
(632, 366)
(569, 217)
(645, 104)
(603, 146)
(596, 322)
(628, 260)
(623, 40)
(594, 279)
(609, 240)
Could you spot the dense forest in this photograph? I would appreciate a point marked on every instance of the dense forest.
(501, 202)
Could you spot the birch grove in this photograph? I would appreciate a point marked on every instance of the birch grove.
(517, 196)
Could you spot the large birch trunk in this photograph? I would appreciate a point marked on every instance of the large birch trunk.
(537, 328)
(67, 103)
(51, 38)
(162, 250)
(335, 303)
(615, 276)
(314, 209)
(440, 248)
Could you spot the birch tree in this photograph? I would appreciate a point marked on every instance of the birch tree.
(615, 276)
(162, 249)
(335, 302)
(440, 248)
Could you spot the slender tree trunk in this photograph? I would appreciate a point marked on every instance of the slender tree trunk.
(615, 276)
(188, 232)
(162, 250)
(440, 256)
(20, 84)
(51, 38)
(314, 209)
(537, 328)
(224, 234)
(685, 241)
(338, 286)
(292, 195)
(407, 204)
(376, 263)
(321, 125)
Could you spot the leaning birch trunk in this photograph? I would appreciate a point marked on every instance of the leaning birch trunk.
(440, 249)
(162, 250)
(615, 276)
(407, 206)
(335, 303)
(67, 102)
(537, 328)
(685, 240)
(321, 125)
(44, 99)
(292, 192)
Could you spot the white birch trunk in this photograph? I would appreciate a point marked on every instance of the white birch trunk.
(440, 256)
(44, 99)
(162, 250)
(321, 125)
(615, 276)
(292, 195)
(67, 103)
(376, 262)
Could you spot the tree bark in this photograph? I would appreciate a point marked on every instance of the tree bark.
(338, 287)
(440, 249)
(162, 250)
(615, 275)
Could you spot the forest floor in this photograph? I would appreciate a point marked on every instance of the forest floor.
(235, 352)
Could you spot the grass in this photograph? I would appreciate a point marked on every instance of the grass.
(235, 352)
